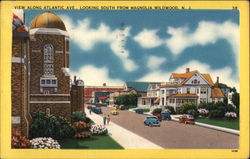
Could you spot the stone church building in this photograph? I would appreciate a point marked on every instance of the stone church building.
(40, 71)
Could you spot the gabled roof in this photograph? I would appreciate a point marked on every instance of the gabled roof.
(138, 86)
(216, 93)
(208, 78)
(187, 76)
(183, 75)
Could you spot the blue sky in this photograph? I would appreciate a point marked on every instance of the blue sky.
(155, 44)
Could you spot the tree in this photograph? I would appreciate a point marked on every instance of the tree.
(130, 99)
(236, 99)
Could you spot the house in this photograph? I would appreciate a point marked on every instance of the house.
(152, 98)
(191, 86)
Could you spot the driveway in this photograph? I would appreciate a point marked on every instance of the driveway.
(174, 135)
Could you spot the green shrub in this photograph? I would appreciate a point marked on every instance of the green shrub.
(193, 112)
(171, 109)
(184, 107)
(217, 113)
(126, 107)
(49, 126)
(146, 110)
(157, 110)
(80, 116)
(203, 106)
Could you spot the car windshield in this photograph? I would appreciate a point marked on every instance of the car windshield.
(151, 117)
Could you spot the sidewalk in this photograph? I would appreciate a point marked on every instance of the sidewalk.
(124, 137)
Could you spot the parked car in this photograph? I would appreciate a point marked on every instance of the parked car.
(158, 115)
(96, 110)
(165, 116)
(139, 111)
(114, 112)
(152, 121)
(98, 105)
(187, 119)
(89, 106)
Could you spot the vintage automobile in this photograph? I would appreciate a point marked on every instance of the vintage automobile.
(158, 115)
(187, 119)
(139, 111)
(114, 112)
(89, 106)
(165, 116)
(152, 121)
(96, 110)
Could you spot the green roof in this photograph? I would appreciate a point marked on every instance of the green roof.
(138, 86)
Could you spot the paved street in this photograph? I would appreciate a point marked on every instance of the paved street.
(172, 134)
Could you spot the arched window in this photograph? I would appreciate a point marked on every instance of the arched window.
(195, 81)
(48, 61)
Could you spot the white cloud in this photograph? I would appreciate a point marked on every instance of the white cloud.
(154, 62)
(148, 38)
(86, 38)
(206, 33)
(94, 76)
(225, 73)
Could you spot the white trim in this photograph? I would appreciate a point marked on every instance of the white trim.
(57, 95)
(17, 60)
(60, 52)
(67, 52)
(68, 102)
(36, 51)
(51, 31)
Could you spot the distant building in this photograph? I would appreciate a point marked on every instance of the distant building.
(139, 87)
(89, 91)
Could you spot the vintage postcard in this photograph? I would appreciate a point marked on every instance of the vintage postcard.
(123, 79)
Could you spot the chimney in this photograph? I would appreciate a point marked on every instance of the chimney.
(104, 84)
(218, 79)
(187, 70)
(75, 79)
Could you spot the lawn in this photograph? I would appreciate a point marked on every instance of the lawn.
(232, 124)
(95, 142)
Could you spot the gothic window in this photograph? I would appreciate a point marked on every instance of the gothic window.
(48, 55)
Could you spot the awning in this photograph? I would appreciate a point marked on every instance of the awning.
(101, 97)
(157, 101)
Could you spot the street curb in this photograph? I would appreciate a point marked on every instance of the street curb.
(227, 130)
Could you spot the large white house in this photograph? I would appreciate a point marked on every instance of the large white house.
(191, 86)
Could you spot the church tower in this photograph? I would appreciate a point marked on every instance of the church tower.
(49, 66)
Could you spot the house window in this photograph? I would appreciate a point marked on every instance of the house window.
(42, 81)
(53, 81)
(197, 90)
(203, 91)
(48, 59)
(162, 91)
(47, 81)
(143, 102)
(162, 101)
(195, 81)
(188, 90)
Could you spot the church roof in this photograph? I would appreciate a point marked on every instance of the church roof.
(47, 20)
